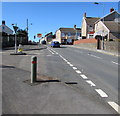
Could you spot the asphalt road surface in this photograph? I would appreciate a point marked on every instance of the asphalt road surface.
(87, 82)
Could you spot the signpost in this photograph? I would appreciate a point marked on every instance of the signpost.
(15, 29)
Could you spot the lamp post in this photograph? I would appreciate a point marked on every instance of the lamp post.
(15, 29)
(103, 23)
(76, 32)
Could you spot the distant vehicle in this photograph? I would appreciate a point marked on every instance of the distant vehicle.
(55, 44)
(43, 42)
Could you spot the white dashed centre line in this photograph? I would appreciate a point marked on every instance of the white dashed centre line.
(77, 71)
(71, 65)
(115, 106)
(101, 92)
(91, 83)
(68, 62)
(83, 76)
(74, 68)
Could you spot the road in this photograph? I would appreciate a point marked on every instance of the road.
(88, 82)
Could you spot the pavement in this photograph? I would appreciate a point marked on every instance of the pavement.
(96, 50)
(60, 92)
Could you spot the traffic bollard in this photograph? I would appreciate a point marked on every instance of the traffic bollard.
(33, 69)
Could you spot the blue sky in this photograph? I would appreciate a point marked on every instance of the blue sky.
(49, 16)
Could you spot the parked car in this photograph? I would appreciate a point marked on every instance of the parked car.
(55, 44)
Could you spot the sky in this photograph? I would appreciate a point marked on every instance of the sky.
(48, 17)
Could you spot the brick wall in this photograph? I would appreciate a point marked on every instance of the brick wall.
(92, 40)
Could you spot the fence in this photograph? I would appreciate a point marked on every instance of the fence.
(9, 40)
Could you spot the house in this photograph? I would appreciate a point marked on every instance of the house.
(67, 35)
(108, 26)
(48, 38)
(87, 28)
(6, 29)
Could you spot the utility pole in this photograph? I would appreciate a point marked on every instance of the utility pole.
(27, 26)
(103, 24)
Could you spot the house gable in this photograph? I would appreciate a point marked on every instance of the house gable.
(4, 28)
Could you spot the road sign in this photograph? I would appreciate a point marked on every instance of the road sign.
(39, 35)
(15, 28)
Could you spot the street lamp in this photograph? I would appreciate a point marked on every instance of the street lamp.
(103, 23)
(15, 29)
(76, 31)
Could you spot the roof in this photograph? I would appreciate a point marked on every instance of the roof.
(2, 30)
(69, 29)
(108, 15)
(91, 20)
(112, 26)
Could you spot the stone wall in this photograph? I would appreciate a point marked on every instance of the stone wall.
(110, 46)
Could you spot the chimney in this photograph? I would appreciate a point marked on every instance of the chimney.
(85, 14)
(3, 22)
(74, 26)
(112, 9)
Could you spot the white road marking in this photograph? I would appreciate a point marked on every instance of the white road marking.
(101, 92)
(91, 83)
(68, 62)
(77, 71)
(50, 51)
(65, 60)
(71, 65)
(74, 68)
(115, 63)
(115, 106)
(48, 55)
(95, 56)
(83, 76)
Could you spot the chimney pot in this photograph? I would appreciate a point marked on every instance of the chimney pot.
(85, 14)
(3, 22)
(112, 9)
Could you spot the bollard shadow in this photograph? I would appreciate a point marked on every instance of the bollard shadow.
(46, 81)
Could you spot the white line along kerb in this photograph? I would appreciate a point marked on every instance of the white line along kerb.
(91, 83)
(83, 76)
(115, 106)
(101, 92)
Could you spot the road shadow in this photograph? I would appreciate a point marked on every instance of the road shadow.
(5, 66)
(34, 49)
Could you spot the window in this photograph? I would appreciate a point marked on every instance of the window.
(3, 28)
(63, 34)
(69, 34)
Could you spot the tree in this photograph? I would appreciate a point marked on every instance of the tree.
(21, 32)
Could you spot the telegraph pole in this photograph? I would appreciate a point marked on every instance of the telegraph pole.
(27, 26)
